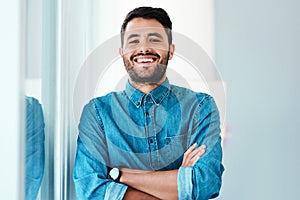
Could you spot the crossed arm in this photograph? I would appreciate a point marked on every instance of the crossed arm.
(152, 184)
(90, 169)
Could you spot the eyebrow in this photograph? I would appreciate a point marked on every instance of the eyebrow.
(132, 36)
(150, 34)
(156, 34)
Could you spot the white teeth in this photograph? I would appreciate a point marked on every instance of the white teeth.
(144, 60)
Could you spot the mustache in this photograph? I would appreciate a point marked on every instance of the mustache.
(144, 54)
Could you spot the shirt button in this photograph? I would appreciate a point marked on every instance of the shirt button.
(151, 140)
(147, 113)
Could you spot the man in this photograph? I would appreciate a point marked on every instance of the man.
(153, 140)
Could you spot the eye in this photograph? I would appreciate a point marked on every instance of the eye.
(133, 42)
(154, 40)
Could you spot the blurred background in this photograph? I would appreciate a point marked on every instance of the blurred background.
(255, 46)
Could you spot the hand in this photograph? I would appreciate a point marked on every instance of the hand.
(192, 155)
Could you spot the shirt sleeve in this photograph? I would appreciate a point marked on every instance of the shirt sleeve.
(204, 179)
(91, 163)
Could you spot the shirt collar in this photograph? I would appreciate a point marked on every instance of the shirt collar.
(157, 95)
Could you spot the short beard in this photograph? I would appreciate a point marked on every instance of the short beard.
(154, 78)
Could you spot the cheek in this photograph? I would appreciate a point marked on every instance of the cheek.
(126, 57)
(165, 56)
(127, 64)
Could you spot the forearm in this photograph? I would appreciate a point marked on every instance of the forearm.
(161, 184)
(138, 195)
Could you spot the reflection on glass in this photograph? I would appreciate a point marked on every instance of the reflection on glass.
(35, 152)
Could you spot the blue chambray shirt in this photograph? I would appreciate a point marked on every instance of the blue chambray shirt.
(151, 132)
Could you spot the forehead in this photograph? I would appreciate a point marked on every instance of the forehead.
(138, 24)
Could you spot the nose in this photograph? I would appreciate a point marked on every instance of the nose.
(144, 46)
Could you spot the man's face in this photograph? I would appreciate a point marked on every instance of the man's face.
(146, 50)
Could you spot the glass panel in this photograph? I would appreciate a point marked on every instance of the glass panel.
(34, 123)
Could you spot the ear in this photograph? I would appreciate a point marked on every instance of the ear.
(121, 52)
(172, 49)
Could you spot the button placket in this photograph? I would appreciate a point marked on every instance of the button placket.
(149, 108)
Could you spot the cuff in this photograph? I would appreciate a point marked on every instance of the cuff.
(115, 191)
(185, 184)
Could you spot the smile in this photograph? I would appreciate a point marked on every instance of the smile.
(142, 59)
(145, 60)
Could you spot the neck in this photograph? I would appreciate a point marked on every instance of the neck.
(146, 88)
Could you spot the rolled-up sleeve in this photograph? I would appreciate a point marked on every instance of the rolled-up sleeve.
(115, 191)
(184, 182)
(203, 180)
(91, 163)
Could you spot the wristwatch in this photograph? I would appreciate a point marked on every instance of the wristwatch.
(114, 174)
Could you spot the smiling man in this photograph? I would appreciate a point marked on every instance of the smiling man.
(154, 140)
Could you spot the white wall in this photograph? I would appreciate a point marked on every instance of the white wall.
(257, 51)
(10, 145)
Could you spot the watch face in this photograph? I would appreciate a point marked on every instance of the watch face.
(114, 173)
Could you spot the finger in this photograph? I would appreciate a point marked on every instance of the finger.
(191, 148)
(188, 152)
(199, 151)
(194, 160)
(185, 159)
(190, 158)
(192, 155)
(197, 156)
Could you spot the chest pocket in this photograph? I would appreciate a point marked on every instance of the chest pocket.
(173, 150)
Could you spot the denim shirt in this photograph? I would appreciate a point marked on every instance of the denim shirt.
(150, 132)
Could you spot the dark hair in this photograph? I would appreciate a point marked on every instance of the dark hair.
(158, 14)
